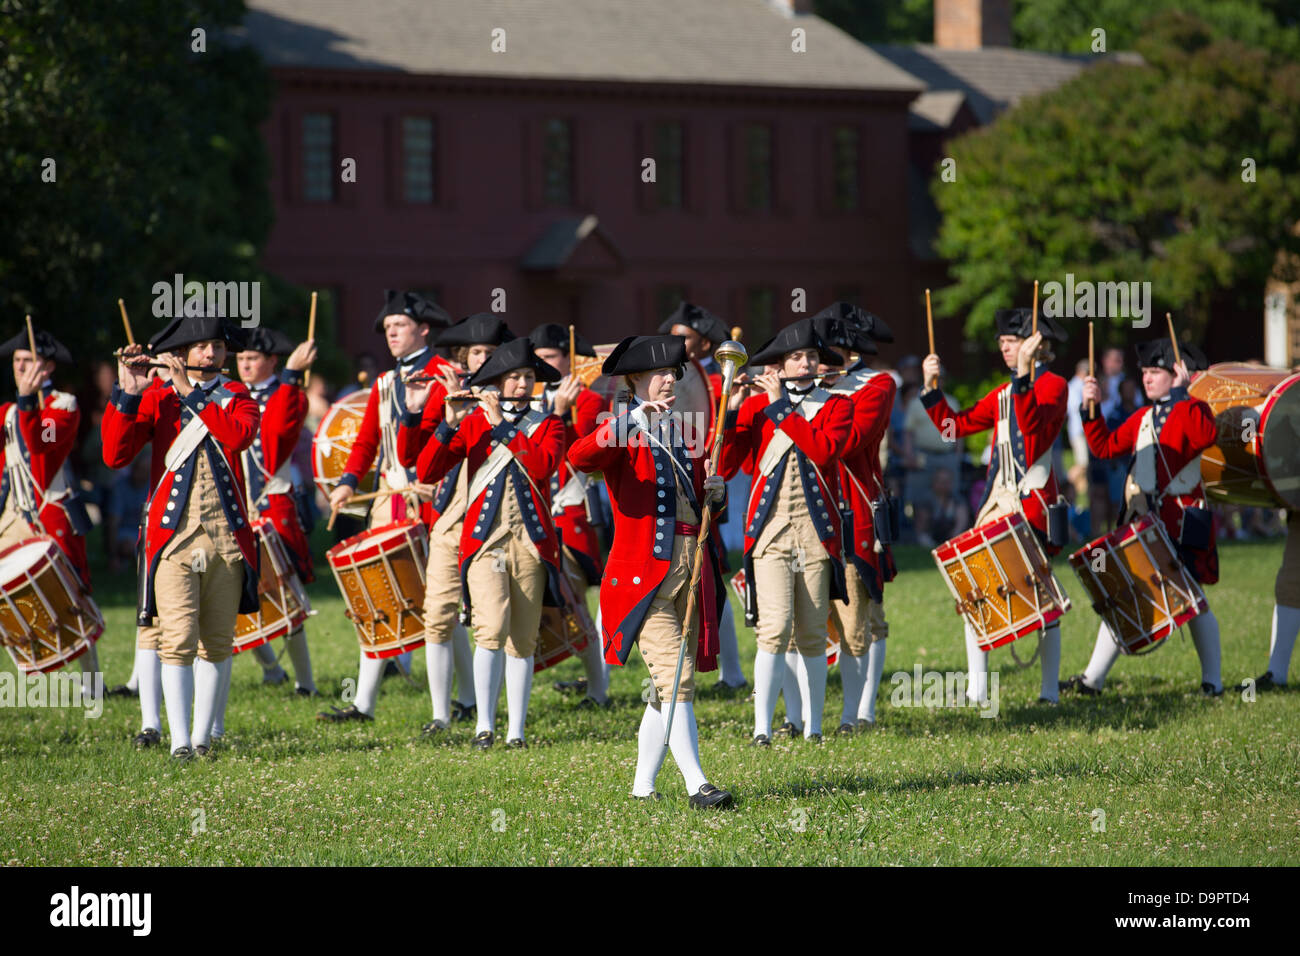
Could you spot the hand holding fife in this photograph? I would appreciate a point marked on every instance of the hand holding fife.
(770, 382)
(1181, 375)
(738, 392)
(491, 403)
(302, 356)
(174, 365)
(417, 394)
(1028, 352)
(566, 395)
(930, 366)
(1091, 391)
(133, 369)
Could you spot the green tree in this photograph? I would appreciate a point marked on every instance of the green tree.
(888, 21)
(1132, 173)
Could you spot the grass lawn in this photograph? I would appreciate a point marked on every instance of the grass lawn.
(1180, 779)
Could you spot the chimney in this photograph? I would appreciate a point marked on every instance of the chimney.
(792, 8)
(971, 24)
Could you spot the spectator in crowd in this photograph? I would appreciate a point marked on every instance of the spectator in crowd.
(943, 515)
(1073, 415)
(1076, 490)
(1112, 373)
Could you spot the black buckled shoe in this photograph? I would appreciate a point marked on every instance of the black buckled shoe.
(760, 740)
(1208, 689)
(147, 738)
(517, 744)
(814, 738)
(306, 692)
(1077, 684)
(864, 724)
(1048, 701)
(711, 798)
(433, 728)
(788, 730)
(483, 740)
(578, 686)
(462, 712)
(336, 716)
(205, 751)
(121, 690)
(271, 679)
(1263, 682)
(723, 689)
(590, 703)
(183, 754)
(847, 730)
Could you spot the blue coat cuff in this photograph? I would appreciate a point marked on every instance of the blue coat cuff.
(504, 432)
(779, 409)
(27, 403)
(350, 480)
(729, 419)
(1020, 385)
(292, 377)
(411, 419)
(125, 403)
(444, 432)
(931, 398)
(1178, 394)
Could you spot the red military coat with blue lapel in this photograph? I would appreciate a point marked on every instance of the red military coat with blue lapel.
(816, 447)
(1184, 427)
(1038, 412)
(45, 455)
(642, 484)
(575, 531)
(158, 415)
(859, 474)
(283, 406)
(537, 455)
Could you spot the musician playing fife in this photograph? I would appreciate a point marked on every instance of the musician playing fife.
(657, 485)
(283, 404)
(508, 546)
(851, 331)
(1166, 439)
(198, 543)
(38, 492)
(472, 341)
(793, 433)
(573, 494)
(1027, 417)
(404, 320)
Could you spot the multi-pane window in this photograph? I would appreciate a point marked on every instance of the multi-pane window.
(846, 168)
(670, 162)
(557, 162)
(317, 157)
(417, 159)
(667, 299)
(760, 312)
(756, 169)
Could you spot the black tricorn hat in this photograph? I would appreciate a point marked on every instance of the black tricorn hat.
(856, 317)
(837, 333)
(481, 328)
(645, 353)
(47, 346)
(701, 320)
(187, 329)
(798, 335)
(417, 307)
(268, 341)
(552, 335)
(517, 353)
(1159, 353)
(1020, 322)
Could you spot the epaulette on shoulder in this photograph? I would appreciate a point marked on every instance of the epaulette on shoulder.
(63, 401)
(853, 381)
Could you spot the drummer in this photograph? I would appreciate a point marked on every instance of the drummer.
(38, 492)
(1166, 439)
(795, 431)
(267, 462)
(1026, 415)
(1286, 612)
(645, 590)
(574, 498)
(508, 547)
(404, 320)
(472, 341)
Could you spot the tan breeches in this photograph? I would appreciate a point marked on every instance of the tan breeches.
(506, 585)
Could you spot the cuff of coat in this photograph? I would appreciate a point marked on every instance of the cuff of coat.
(412, 419)
(1178, 394)
(197, 400)
(931, 398)
(27, 403)
(444, 432)
(1083, 413)
(292, 376)
(124, 402)
(350, 480)
(729, 419)
(779, 409)
(1020, 385)
(503, 432)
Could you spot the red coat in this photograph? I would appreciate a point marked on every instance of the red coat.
(132, 421)
(640, 480)
(473, 441)
(1039, 410)
(822, 442)
(47, 453)
(1188, 428)
(366, 446)
(575, 530)
(283, 406)
(860, 476)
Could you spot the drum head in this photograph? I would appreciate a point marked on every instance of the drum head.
(21, 557)
(1280, 442)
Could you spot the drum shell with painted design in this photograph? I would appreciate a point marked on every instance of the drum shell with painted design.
(380, 573)
(39, 583)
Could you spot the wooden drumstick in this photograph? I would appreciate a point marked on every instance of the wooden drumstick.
(1172, 337)
(126, 323)
(929, 320)
(1092, 372)
(31, 340)
(311, 334)
(573, 351)
(1033, 361)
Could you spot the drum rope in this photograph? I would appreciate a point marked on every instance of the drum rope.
(1033, 657)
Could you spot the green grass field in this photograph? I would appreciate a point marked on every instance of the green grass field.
(1180, 779)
